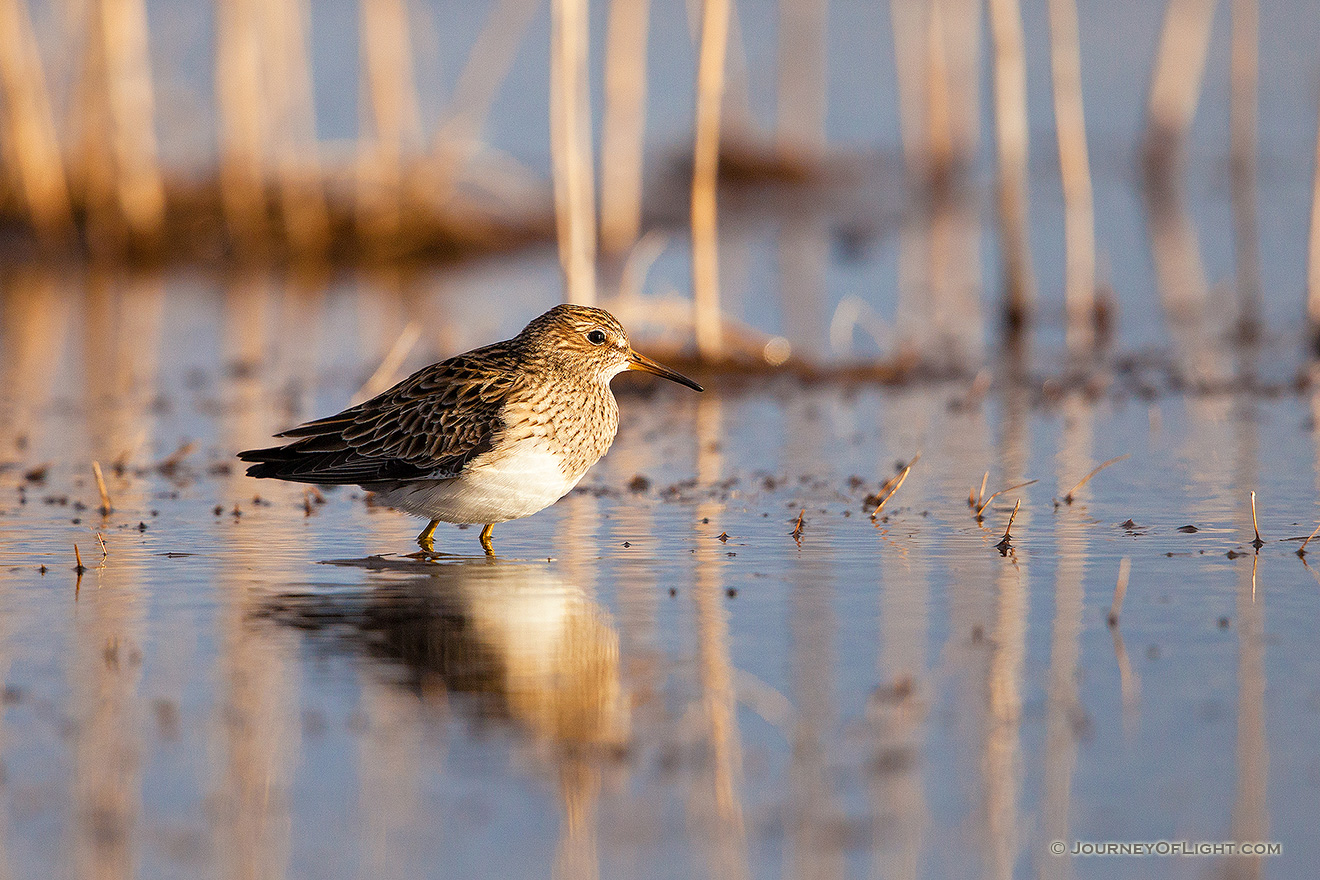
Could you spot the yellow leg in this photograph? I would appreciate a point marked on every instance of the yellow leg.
(424, 539)
(485, 538)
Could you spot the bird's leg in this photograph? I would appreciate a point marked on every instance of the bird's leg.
(485, 539)
(424, 539)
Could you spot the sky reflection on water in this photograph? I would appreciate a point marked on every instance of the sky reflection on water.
(622, 692)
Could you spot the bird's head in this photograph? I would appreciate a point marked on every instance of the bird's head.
(581, 339)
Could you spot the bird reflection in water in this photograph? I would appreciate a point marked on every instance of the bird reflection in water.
(502, 642)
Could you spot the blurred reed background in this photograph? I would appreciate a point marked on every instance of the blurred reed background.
(90, 91)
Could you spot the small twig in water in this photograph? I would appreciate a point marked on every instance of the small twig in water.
(1301, 551)
(981, 510)
(79, 567)
(892, 485)
(974, 497)
(106, 507)
(1007, 541)
(1072, 493)
(797, 527)
(104, 552)
(1257, 543)
(1120, 590)
(170, 463)
(385, 373)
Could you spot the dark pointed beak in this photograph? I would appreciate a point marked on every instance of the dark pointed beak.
(646, 365)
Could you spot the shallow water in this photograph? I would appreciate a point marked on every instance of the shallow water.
(272, 688)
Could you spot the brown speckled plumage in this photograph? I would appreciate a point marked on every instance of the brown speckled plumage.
(547, 390)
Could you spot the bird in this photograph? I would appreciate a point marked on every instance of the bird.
(488, 436)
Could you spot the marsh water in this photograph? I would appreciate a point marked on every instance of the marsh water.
(653, 677)
(709, 659)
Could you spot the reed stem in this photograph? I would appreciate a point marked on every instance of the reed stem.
(801, 92)
(240, 97)
(31, 145)
(138, 186)
(293, 116)
(1010, 96)
(623, 133)
(1075, 171)
(1244, 74)
(1313, 254)
(705, 230)
(570, 150)
(394, 119)
(1175, 86)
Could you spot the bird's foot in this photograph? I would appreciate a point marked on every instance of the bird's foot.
(485, 539)
(424, 539)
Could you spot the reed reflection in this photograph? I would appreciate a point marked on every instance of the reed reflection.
(1250, 816)
(1002, 751)
(1064, 712)
(720, 807)
(256, 725)
(34, 319)
(501, 642)
(897, 710)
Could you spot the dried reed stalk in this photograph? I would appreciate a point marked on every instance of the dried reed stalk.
(1313, 256)
(802, 88)
(1256, 542)
(984, 504)
(31, 145)
(141, 189)
(908, 21)
(118, 78)
(1075, 171)
(936, 56)
(1072, 493)
(489, 61)
(974, 497)
(892, 485)
(1301, 551)
(394, 119)
(623, 130)
(106, 506)
(1244, 74)
(1010, 96)
(1175, 86)
(386, 374)
(1179, 270)
(1174, 93)
(939, 97)
(241, 100)
(293, 126)
(1007, 540)
(960, 24)
(1120, 591)
(570, 149)
(705, 170)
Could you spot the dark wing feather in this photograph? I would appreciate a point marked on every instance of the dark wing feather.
(428, 426)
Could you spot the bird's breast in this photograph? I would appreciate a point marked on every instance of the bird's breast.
(577, 426)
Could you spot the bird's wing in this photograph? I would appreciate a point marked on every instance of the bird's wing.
(429, 426)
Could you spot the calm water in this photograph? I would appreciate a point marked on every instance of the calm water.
(654, 678)
(242, 688)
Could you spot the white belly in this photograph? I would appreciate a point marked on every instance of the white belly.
(520, 483)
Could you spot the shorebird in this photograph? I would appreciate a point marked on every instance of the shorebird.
(482, 438)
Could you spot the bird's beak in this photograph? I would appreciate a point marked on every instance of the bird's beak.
(646, 365)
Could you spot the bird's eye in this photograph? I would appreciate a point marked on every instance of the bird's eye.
(596, 337)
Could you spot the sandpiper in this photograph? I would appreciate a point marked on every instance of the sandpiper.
(484, 437)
